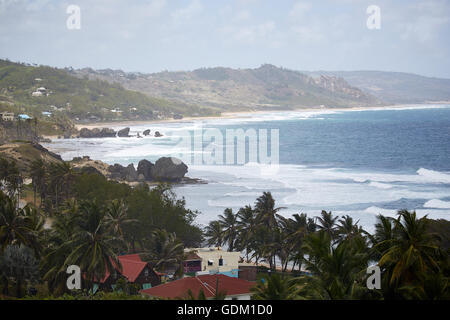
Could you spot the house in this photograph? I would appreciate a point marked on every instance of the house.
(36, 94)
(234, 288)
(7, 116)
(24, 117)
(46, 114)
(248, 271)
(215, 260)
(192, 263)
(134, 270)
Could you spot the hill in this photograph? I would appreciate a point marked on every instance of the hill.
(395, 87)
(36, 89)
(266, 87)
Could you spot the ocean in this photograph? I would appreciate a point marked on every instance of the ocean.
(356, 162)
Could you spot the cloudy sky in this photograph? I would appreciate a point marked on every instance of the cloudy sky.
(156, 35)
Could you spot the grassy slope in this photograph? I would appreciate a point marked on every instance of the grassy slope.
(267, 87)
(84, 97)
(396, 87)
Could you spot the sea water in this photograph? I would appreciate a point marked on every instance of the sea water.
(360, 163)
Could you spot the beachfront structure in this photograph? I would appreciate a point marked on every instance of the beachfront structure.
(7, 116)
(234, 289)
(212, 261)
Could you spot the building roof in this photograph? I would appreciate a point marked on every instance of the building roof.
(132, 266)
(192, 256)
(207, 283)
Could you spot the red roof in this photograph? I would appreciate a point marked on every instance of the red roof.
(207, 283)
(132, 266)
(192, 256)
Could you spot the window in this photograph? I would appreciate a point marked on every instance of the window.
(146, 272)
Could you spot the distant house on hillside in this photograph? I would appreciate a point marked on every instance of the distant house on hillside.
(234, 289)
(47, 114)
(7, 116)
(24, 117)
(134, 270)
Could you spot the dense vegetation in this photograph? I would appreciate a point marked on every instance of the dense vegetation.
(78, 98)
(84, 219)
(411, 252)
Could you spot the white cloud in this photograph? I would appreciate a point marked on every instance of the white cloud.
(194, 8)
(299, 10)
(422, 21)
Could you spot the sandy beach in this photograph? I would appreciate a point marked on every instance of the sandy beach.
(236, 114)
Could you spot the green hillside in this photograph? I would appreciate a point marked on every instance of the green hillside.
(79, 99)
(266, 87)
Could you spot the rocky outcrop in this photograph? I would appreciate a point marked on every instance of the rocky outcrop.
(144, 170)
(97, 133)
(146, 132)
(120, 172)
(158, 134)
(124, 133)
(169, 169)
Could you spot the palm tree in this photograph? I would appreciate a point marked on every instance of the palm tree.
(246, 225)
(228, 222)
(92, 245)
(337, 271)
(15, 226)
(274, 288)
(267, 217)
(411, 254)
(61, 178)
(266, 211)
(116, 218)
(166, 250)
(327, 223)
(38, 172)
(214, 234)
(347, 229)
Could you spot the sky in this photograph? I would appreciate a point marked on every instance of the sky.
(155, 35)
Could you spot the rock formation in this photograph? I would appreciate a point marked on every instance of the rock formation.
(145, 169)
(124, 133)
(169, 169)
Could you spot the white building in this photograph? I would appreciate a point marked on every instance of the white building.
(215, 260)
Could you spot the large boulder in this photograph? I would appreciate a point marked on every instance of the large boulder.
(120, 172)
(124, 133)
(86, 133)
(97, 133)
(107, 133)
(158, 134)
(145, 169)
(146, 132)
(169, 169)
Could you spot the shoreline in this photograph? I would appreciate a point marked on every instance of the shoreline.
(238, 114)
